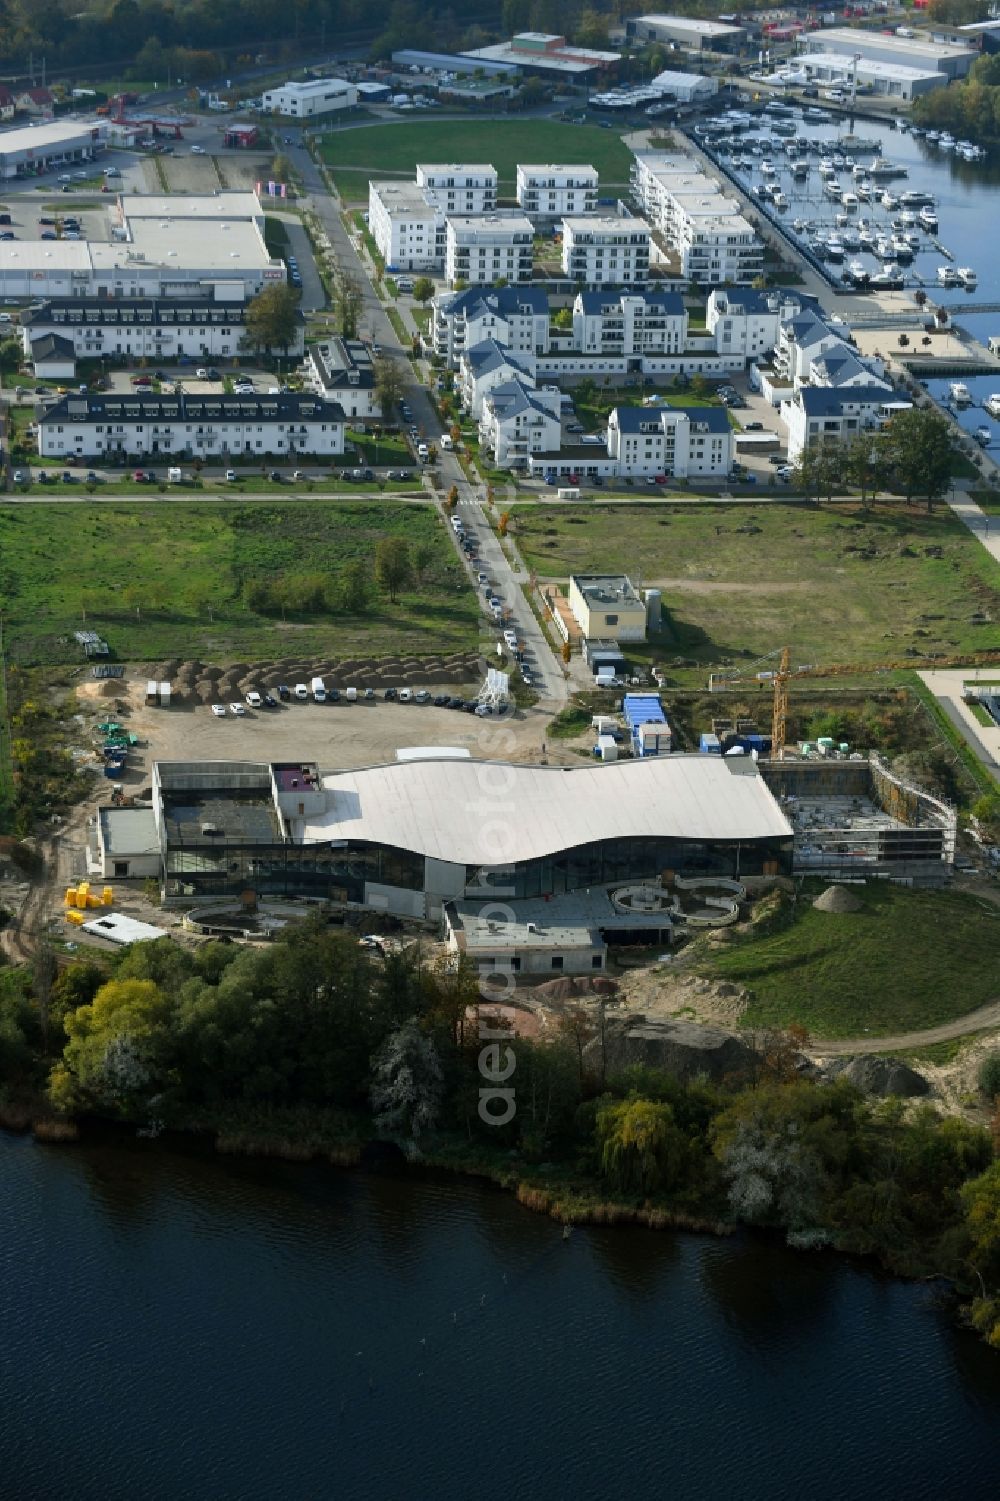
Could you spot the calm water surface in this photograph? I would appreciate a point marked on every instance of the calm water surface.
(178, 1326)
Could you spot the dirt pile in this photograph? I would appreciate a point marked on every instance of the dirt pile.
(571, 987)
(880, 1076)
(837, 899)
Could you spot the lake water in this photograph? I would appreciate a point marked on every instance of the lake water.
(174, 1325)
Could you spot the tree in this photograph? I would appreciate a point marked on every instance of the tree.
(272, 319)
(348, 302)
(423, 289)
(639, 1145)
(821, 469)
(115, 1053)
(562, 319)
(393, 565)
(356, 588)
(281, 169)
(921, 452)
(989, 1076)
(407, 1083)
(11, 355)
(388, 384)
(865, 464)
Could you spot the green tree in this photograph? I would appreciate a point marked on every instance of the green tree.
(388, 384)
(865, 464)
(356, 587)
(423, 289)
(639, 1145)
(920, 449)
(11, 355)
(272, 319)
(348, 302)
(116, 1052)
(393, 565)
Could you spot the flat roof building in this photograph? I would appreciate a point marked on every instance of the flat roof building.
(27, 150)
(545, 52)
(407, 225)
(484, 248)
(557, 189)
(893, 80)
(688, 32)
(459, 187)
(921, 51)
(305, 101)
(607, 604)
(609, 250)
(708, 233)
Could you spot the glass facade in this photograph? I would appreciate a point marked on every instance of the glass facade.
(317, 870)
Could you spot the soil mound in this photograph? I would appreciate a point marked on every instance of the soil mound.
(881, 1076)
(837, 899)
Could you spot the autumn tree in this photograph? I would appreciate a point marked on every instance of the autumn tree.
(393, 565)
(423, 289)
(639, 1146)
(348, 302)
(272, 320)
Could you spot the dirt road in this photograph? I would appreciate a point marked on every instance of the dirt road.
(981, 1020)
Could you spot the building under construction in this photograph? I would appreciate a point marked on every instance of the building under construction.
(855, 819)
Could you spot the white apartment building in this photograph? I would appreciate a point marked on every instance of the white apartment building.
(459, 187)
(488, 365)
(341, 370)
(822, 414)
(802, 339)
(518, 422)
(487, 247)
(675, 441)
(143, 328)
(745, 322)
(408, 227)
(629, 323)
(218, 428)
(706, 231)
(606, 251)
(515, 316)
(317, 96)
(557, 190)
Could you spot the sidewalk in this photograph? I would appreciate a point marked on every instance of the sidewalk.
(985, 528)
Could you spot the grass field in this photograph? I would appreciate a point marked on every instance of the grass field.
(186, 568)
(844, 588)
(906, 961)
(394, 150)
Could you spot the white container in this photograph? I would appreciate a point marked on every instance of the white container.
(351, 694)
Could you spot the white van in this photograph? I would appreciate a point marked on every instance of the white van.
(351, 694)
(445, 442)
(423, 452)
(254, 700)
(319, 690)
(301, 691)
(175, 476)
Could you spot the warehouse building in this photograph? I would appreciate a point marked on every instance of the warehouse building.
(545, 53)
(28, 150)
(408, 837)
(893, 80)
(687, 32)
(211, 428)
(925, 53)
(308, 101)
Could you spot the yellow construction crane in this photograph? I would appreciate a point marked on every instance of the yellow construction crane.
(780, 714)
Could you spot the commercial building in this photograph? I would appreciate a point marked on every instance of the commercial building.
(306, 101)
(706, 232)
(518, 421)
(407, 225)
(212, 428)
(684, 88)
(459, 188)
(515, 316)
(341, 371)
(408, 837)
(891, 79)
(606, 251)
(607, 605)
(161, 329)
(687, 32)
(551, 192)
(487, 247)
(209, 246)
(679, 442)
(28, 150)
(630, 323)
(922, 52)
(546, 53)
(444, 63)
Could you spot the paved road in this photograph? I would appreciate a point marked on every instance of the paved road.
(981, 1020)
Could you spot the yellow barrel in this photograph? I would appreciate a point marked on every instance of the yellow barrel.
(93, 900)
(75, 917)
(70, 898)
(107, 896)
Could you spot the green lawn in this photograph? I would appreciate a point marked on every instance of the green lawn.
(394, 150)
(908, 960)
(845, 589)
(187, 566)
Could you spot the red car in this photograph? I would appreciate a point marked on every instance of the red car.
(139, 476)
(142, 380)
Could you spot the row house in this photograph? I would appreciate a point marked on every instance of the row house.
(134, 328)
(515, 316)
(216, 428)
(629, 323)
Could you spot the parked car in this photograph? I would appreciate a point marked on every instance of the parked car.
(284, 692)
(219, 710)
(390, 694)
(20, 478)
(230, 476)
(238, 710)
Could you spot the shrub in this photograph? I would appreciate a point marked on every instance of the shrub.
(989, 1076)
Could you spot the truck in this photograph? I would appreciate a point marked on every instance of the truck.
(318, 690)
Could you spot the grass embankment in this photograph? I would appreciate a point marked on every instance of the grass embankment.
(171, 579)
(847, 589)
(907, 960)
(355, 156)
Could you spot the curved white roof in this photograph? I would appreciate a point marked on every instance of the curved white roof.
(493, 813)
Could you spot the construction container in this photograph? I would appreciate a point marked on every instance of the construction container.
(107, 896)
(654, 605)
(710, 745)
(164, 695)
(70, 897)
(76, 918)
(82, 892)
(152, 691)
(607, 748)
